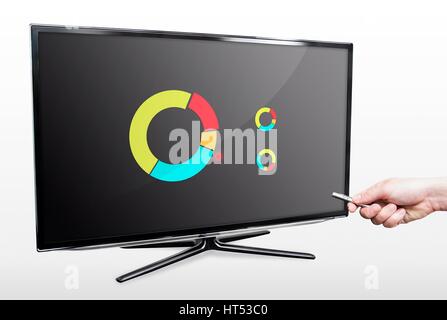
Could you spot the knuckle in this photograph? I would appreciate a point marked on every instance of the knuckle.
(376, 208)
(380, 217)
(390, 225)
(366, 213)
(391, 207)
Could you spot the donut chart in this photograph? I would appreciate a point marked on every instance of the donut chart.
(270, 153)
(138, 135)
(258, 118)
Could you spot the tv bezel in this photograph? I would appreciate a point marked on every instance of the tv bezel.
(138, 239)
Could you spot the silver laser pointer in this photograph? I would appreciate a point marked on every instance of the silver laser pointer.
(346, 198)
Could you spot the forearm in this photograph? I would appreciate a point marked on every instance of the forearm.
(437, 194)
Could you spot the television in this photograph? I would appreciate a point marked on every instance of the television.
(145, 137)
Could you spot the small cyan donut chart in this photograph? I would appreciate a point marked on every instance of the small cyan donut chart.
(140, 123)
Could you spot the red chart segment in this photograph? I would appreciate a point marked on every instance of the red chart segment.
(204, 111)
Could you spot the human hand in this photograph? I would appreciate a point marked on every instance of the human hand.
(401, 200)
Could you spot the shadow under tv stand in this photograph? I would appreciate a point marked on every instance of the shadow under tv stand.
(212, 243)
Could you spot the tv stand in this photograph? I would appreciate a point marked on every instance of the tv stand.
(204, 244)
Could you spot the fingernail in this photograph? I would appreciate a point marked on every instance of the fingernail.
(356, 198)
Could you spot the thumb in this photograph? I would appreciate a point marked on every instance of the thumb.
(370, 195)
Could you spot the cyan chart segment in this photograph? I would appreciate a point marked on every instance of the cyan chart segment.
(185, 170)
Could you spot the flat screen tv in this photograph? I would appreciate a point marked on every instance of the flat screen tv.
(150, 136)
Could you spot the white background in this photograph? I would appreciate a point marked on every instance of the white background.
(398, 129)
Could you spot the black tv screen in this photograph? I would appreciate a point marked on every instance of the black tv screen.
(145, 135)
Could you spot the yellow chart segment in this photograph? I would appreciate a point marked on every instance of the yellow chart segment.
(208, 139)
(142, 118)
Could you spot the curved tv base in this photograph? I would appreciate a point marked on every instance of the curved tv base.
(205, 244)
